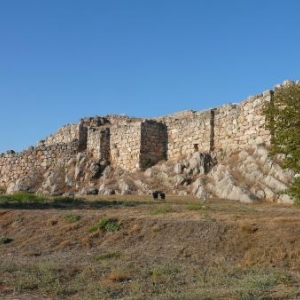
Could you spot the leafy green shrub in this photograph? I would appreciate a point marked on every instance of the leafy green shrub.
(106, 224)
(282, 119)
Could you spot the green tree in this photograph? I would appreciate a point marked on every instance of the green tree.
(283, 120)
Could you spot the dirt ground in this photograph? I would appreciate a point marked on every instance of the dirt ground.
(173, 249)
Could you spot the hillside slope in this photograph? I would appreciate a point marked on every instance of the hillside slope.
(172, 249)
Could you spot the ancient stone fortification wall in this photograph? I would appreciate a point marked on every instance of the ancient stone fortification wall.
(66, 134)
(230, 127)
(187, 132)
(98, 142)
(35, 160)
(133, 143)
(243, 125)
(153, 146)
(130, 144)
(125, 141)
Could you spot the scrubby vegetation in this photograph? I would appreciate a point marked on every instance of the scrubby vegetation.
(105, 224)
(283, 121)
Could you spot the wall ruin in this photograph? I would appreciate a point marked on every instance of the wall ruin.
(35, 160)
(134, 143)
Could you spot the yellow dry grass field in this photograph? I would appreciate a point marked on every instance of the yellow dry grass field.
(134, 247)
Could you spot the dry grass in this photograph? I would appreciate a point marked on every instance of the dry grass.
(177, 249)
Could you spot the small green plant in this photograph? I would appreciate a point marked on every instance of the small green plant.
(5, 240)
(109, 255)
(105, 224)
(72, 217)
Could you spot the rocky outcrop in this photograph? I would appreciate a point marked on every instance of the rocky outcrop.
(246, 176)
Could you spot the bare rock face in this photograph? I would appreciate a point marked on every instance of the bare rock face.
(246, 176)
(25, 184)
(53, 183)
(200, 163)
(199, 190)
(125, 187)
(250, 176)
(89, 191)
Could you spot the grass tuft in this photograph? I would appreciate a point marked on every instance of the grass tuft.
(22, 197)
(105, 224)
(72, 217)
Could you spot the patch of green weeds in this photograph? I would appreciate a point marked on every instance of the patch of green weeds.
(105, 224)
(22, 197)
(72, 217)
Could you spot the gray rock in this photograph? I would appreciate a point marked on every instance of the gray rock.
(182, 193)
(285, 199)
(149, 172)
(94, 171)
(89, 191)
(69, 179)
(20, 185)
(200, 163)
(78, 172)
(108, 191)
(178, 168)
(179, 179)
(124, 187)
(199, 190)
(260, 194)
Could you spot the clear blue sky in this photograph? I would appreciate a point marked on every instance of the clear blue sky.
(61, 60)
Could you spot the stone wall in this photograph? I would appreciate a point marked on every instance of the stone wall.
(243, 125)
(125, 141)
(35, 160)
(187, 133)
(66, 134)
(98, 142)
(133, 143)
(229, 128)
(130, 144)
(153, 143)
